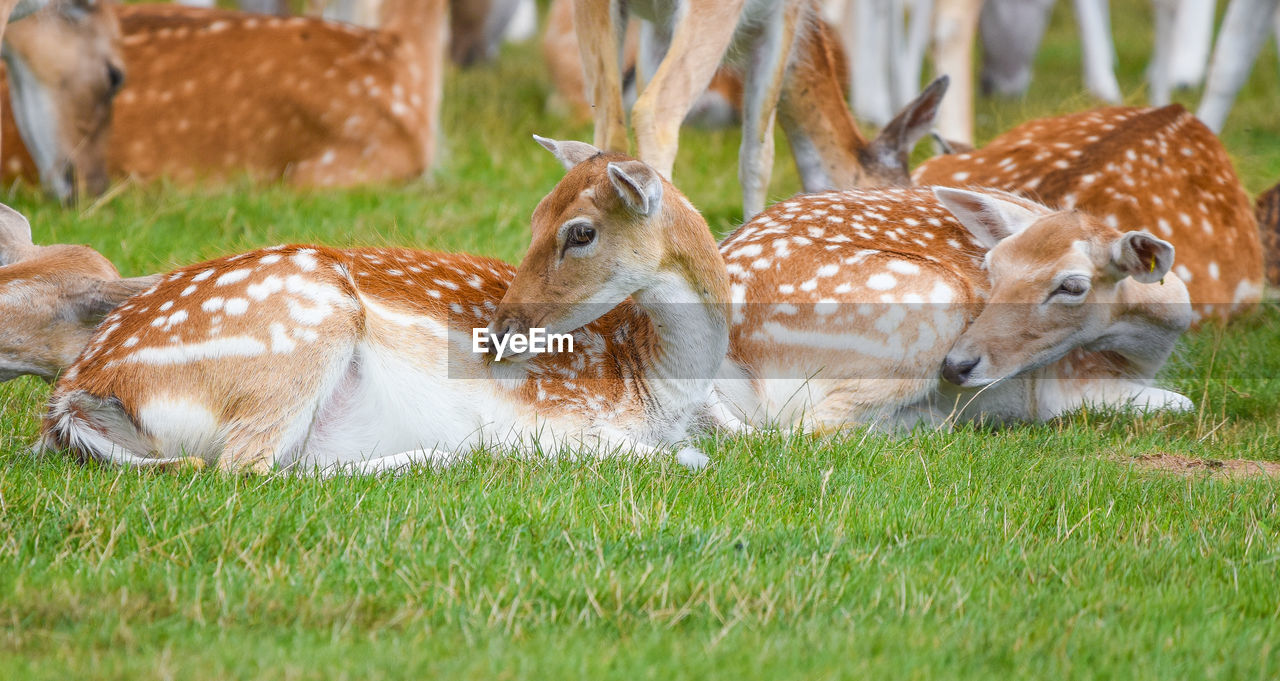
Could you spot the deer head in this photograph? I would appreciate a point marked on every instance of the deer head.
(51, 298)
(886, 158)
(64, 70)
(1061, 281)
(612, 228)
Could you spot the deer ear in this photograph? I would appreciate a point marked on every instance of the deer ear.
(988, 218)
(15, 236)
(1142, 256)
(569, 153)
(103, 297)
(892, 147)
(638, 185)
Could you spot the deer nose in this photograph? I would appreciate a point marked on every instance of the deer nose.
(957, 370)
(501, 329)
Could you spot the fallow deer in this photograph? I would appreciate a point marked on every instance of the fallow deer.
(788, 69)
(720, 106)
(313, 102)
(310, 356)
(1267, 211)
(51, 298)
(63, 69)
(1155, 169)
(847, 305)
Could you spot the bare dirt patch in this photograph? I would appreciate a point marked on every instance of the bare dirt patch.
(1232, 469)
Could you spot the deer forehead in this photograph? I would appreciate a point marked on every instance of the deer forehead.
(1059, 242)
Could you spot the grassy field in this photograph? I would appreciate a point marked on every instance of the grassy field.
(1045, 551)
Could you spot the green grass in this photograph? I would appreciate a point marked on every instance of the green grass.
(1038, 552)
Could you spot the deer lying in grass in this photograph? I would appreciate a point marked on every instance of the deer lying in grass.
(1157, 168)
(51, 299)
(313, 102)
(846, 306)
(788, 69)
(317, 357)
(64, 68)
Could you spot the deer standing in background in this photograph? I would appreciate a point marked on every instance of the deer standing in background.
(1134, 168)
(51, 299)
(315, 103)
(788, 69)
(63, 69)
(313, 357)
(720, 106)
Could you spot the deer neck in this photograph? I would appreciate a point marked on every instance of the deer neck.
(687, 305)
(1145, 324)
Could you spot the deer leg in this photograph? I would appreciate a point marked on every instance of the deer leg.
(1244, 29)
(955, 25)
(600, 26)
(393, 463)
(1193, 34)
(1162, 55)
(761, 88)
(1112, 393)
(1099, 53)
(866, 43)
(698, 44)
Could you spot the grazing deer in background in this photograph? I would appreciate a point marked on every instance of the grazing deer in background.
(51, 299)
(63, 69)
(312, 357)
(846, 305)
(1134, 168)
(788, 69)
(315, 103)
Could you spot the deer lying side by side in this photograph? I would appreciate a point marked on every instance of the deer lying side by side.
(315, 103)
(1156, 169)
(847, 304)
(788, 69)
(312, 357)
(51, 299)
(64, 67)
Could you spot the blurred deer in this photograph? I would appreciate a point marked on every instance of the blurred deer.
(64, 68)
(309, 101)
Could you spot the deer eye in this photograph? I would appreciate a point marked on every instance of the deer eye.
(580, 234)
(1073, 287)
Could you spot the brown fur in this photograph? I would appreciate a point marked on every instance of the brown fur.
(1267, 211)
(313, 102)
(1155, 169)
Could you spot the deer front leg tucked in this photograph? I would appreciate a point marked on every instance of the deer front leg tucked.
(601, 26)
(701, 37)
